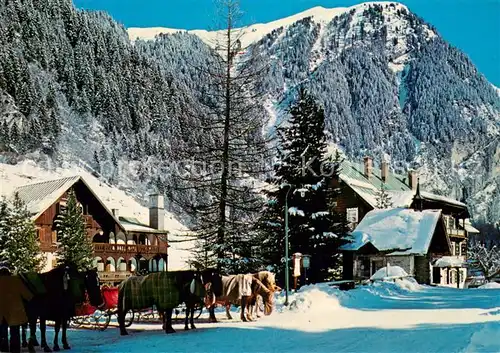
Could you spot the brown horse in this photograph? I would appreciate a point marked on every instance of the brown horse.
(239, 290)
(268, 279)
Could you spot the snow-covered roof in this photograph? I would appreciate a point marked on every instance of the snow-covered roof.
(40, 196)
(405, 231)
(396, 186)
(450, 261)
(469, 228)
(134, 225)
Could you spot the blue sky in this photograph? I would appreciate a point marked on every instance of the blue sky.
(471, 25)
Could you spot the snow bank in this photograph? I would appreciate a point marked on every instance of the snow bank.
(313, 299)
(491, 285)
(409, 284)
(388, 272)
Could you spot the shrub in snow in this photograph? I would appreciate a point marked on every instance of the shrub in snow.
(488, 259)
(388, 272)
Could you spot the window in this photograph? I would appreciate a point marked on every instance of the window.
(453, 276)
(352, 215)
(54, 237)
(457, 249)
(54, 263)
(463, 247)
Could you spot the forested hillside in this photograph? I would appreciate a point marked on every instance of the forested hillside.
(73, 88)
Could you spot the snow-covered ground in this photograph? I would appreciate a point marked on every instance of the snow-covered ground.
(384, 317)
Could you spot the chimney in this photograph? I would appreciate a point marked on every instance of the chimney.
(156, 212)
(368, 166)
(412, 179)
(116, 212)
(384, 170)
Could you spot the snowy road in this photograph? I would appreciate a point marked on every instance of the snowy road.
(370, 319)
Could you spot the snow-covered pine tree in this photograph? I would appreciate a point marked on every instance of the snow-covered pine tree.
(304, 173)
(270, 235)
(22, 250)
(225, 162)
(74, 245)
(487, 258)
(384, 200)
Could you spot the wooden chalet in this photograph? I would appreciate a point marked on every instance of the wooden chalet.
(122, 246)
(401, 237)
(360, 184)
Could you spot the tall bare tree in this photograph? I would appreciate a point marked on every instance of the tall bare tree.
(226, 165)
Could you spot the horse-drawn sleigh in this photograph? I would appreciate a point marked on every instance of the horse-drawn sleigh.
(91, 317)
(66, 294)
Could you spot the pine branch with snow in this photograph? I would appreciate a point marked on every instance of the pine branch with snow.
(384, 200)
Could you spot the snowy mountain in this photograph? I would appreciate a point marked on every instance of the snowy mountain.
(75, 86)
(390, 85)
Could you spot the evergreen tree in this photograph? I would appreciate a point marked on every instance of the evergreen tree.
(97, 162)
(20, 243)
(383, 198)
(304, 174)
(74, 245)
(4, 228)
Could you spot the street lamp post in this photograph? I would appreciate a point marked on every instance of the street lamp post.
(287, 269)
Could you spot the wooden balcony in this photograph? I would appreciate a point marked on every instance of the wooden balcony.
(128, 249)
(456, 233)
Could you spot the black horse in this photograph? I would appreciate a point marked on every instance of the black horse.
(187, 287)
(64, 288)
(207, 277)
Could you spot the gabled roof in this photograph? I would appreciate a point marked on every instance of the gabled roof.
(38, 197)
(367, 188)
(401, 231)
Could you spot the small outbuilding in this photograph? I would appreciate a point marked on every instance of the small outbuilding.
(410, 239)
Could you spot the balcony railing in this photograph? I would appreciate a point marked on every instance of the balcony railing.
(114, 276)
(130, 249)
(460, 233)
